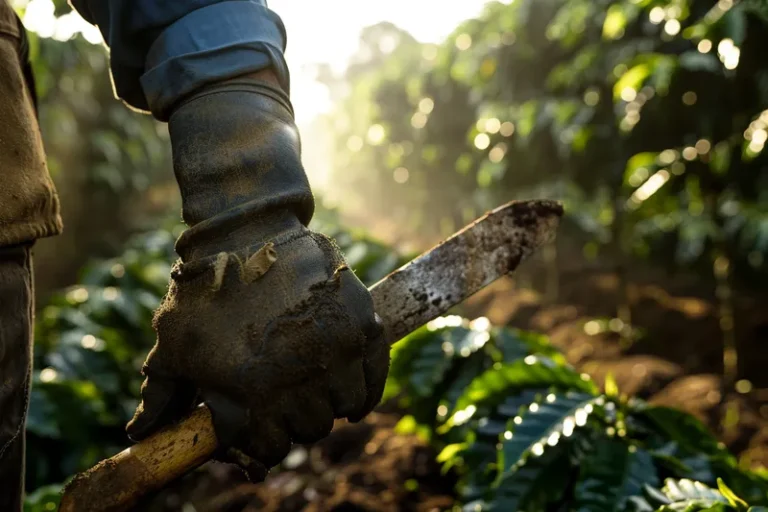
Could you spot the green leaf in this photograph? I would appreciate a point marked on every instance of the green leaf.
(480, 462)
(409, 426)
(450, 451)
(43, 499)
(696, 61)
(685, 430)
(757, 7)
(614, 472)
(515, 488)
(736, 24)
(689, 496)
(730, 495)
(611, 388)
(678, 463)
(662, 69)
(41, 420)
(646, 159)
(448, 347)
(516, 344)
(418, 359)
(721, 157)
(527, 118)
(615, 21)
(544, 424)
(546, 474)
(463, 373)
(503, 380)
(632, 79)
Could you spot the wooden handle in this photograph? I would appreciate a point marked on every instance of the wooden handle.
(117, 483)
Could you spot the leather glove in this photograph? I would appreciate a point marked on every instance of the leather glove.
(263, 321)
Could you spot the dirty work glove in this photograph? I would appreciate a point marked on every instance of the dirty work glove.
(263, 320)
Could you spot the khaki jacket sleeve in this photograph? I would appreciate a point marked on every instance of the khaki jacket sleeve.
(29, 206)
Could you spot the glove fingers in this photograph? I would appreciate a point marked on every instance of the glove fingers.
(309, 417)
(253, 440)
(375, 369)
(163, 400)
(254, 470)
(269, 441)
(359, 304)
(230, 419)
(348, 389)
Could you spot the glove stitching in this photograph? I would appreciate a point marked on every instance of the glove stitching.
(188, 271)
(252, 268)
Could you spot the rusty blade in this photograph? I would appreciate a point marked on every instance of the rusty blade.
(482, 252)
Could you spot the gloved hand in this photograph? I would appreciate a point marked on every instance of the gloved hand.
(263, 320)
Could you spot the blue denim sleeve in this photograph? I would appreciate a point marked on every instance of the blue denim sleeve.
(162, 50)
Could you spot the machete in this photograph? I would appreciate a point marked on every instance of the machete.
(406, 299)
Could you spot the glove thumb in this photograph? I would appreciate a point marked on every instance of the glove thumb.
(163, 401)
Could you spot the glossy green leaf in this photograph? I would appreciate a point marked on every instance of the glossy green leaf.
(494, 385)
(612, 474)
(543, 426)
(689, 496)
(730, 495)
(539, 477)
(686, 430)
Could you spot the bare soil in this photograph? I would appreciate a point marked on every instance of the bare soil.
(362, 467)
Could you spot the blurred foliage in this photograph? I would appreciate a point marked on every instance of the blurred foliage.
(647, 117)
(91, 341)
(121, 152)
(525, 431)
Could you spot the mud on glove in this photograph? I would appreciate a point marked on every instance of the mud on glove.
(263, 321)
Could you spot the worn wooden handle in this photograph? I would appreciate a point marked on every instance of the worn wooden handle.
(144, 467)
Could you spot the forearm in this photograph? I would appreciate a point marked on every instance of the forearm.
(215, 71)
(161, 51)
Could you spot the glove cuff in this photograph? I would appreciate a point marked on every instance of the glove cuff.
(197, 267)
(236, 156)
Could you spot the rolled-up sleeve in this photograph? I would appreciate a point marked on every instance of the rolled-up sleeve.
(162, 50)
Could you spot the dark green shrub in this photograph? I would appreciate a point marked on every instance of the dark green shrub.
(525, 431)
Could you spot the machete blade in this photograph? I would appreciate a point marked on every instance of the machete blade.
(492, 246)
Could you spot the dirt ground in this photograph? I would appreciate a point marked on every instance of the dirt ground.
(361, 467)
(675, 360)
